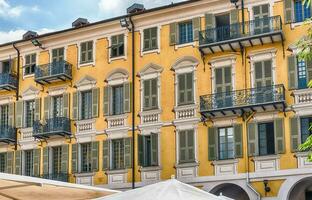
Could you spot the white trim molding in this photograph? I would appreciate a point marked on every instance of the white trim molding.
(225, 167)
(267, 163)
(157, 50)
(92, 63)
(109, 38)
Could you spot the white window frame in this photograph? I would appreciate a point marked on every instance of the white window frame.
(142, 40)
(109, 38)
(24, 63)
(251, 5)
(269, 54)
(92, 64)
(58, 47)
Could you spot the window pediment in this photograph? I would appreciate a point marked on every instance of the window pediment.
(185, 62)
(86, 82)
(117, 76)
(30, 93)
(150, 68)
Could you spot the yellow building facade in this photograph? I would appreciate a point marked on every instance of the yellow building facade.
(220, 100)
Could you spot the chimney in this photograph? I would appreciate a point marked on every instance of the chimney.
(80, 22)
(135, 8)
(29, 35)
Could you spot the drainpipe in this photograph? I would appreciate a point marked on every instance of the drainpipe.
(17, 86)
(247, 173)
(243, 16)
(133, 103)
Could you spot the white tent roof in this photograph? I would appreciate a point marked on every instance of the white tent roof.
(166, 190)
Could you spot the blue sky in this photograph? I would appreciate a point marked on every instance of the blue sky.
(18, 16)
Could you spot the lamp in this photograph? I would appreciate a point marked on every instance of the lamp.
(234, 2)
(266, 187)
(36, 43)
(124, 22)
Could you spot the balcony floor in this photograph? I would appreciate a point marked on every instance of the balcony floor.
(53, 78)
(46, 135)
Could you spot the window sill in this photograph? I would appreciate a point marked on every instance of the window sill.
(87, 64)
(296, 24)
(144, 52)
(150, 168)
(177, 46)
(266, 157)
(84, 174)
(28, 76)
(117, 58)
(116, 171)
(184, 165)
(224, 162)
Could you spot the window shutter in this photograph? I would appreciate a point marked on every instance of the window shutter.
(154, 145)
(95, 102)
(95, 156)
(74, 158)
(189, 88)
(19, 114)
(140, 150)
(127, 95)
(83, 52)
(288, 11)
(147, 39)
(11, 114)
(294, 135)
(75, 105)
(105, 154)
(154, 85)
(292, 72)
(64, 161)
(238, 140)
(212, 143)
(196, 28)
(181, 88)
(234, 16)
(147, 93)
(253, 139)
(18, 162)
(191, 146)
(36, 162)
(127, 152)
(47, 107)
(46, 160)
(9, 162)
(106, 97)
(37, 109)
(279, 135)
(309, 69)
(154, 38)
(66, 105)
(173, 33)
(182, 147)
(209, 21)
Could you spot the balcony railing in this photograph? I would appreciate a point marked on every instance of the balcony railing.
(247, 30)
(240, 99)
(53, 126)
(7, 134)
(8, 81)
(56, 177)
(61, 70)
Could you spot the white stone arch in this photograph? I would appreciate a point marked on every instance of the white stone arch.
(185, 61)
(209, 187)
(289, 184)
(150, 68)
(117, 75)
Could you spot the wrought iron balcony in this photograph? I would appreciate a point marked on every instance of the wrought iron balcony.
(240, 101)
(56, 177)
(58, 126)
(239, 35)
(55, 71)
(8, 81)
(7, 134)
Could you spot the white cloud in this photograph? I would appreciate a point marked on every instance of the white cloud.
(18, 34)
(7, 10)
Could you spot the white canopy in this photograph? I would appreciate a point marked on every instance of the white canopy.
(166, 190)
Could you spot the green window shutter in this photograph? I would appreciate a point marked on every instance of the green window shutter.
(234, 16)
(140, 150)
(18, 162)
(147, 94)
(309, 69)
(279, 135)
(154, 90)
(90, 51)
(37, 109)
(74, 158)
(66, 105)
(288, 6)
(190, 146)
(238, 139)
(294, 135)
(46, 160)
(173, 33)
(209, 20)
(47, 107)
(154, 150)
(105, 154)
(83, 52)
(128, 152)
(11, 114)
(212, 143)
(182, 147)
(253, 139)
(36, 162)
(64, 161)
(75, 106)
(127, 92)
(147, 39)
(196, 28)
(189, 88)
(106, 95)
(19, 107)
(9, 162)
(181, 88)
(292, 72)
(95, 156)
(154, 38)
(95, 102)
